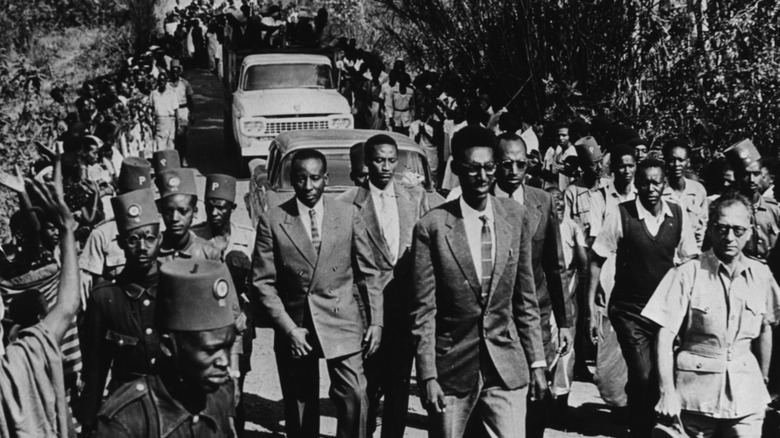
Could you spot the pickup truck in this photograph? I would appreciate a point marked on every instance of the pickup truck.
(272, 93)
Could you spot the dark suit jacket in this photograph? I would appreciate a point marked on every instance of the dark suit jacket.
(411, 206)
(449, 325)
(547, 256)
(289, 277)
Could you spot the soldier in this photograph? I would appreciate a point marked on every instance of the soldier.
(178, 205)
(746, 160)
(223, 233)
(234, 243)
(102, 255)
(119, 331)
(192, 393)
(583, 195)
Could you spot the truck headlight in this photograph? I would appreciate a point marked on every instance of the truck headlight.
(344, 122)
(253, 128)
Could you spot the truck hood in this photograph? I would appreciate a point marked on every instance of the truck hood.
(290, 102)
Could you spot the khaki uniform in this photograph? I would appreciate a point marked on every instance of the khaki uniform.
(766, 227)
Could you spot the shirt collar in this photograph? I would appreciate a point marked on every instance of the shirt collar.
(644, 214)
(469, 214)
(612, 190)
(713, 264)
(304, 210)
(135, 289)
(186, 251)
(376, 191)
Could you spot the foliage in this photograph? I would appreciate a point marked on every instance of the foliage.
(704, 70)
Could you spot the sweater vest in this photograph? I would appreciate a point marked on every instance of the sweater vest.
(642, 260)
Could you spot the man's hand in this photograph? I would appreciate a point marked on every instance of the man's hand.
(595, 327)
(434, 397)
(298, 342)
(668, 405)
(13, 182)
(538, 384)
(371, 340)
(565, 340)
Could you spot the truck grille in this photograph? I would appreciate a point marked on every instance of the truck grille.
(277, 127)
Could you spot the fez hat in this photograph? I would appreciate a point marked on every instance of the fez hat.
(195, 295)
(177, 181)
(165, 160)
(135, 209)
(175, 63)
(742, 155)
(135, 173)
(219, 186)
(588, 151)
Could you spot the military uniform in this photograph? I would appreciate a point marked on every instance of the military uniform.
(196, 248)
(193, 296)
(582, 203)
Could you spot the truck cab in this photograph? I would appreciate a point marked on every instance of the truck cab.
(279, 92)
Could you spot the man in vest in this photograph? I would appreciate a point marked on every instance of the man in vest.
(192, 394)
(119, 333)
(647, 234)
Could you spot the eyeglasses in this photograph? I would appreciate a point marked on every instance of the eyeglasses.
(723, 230)
(509, 165)
(473, 169)
(133, 240)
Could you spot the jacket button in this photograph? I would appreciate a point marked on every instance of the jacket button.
(195, 419)
(121, 342)
(149, 331)
(300, 273)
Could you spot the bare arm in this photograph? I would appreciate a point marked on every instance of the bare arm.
(765, 349)
(596, 263)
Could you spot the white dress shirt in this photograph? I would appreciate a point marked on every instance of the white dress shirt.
(303, 212)
(518, 195)
(473, 223)
(386, 208)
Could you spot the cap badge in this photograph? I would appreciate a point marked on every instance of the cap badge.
(174, 183)
(221, 290)
(134, 212)
(743, 154)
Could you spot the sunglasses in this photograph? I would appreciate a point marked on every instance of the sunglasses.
(723, 230)
(509, 165)
(474, 169)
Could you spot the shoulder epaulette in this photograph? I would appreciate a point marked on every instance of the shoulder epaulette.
(126, 394)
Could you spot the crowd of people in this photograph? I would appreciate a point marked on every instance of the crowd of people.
(131, 299)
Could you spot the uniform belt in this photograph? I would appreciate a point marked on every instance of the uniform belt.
(731, 353)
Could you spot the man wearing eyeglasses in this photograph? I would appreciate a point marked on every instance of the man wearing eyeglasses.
(546, 259)
(647, 236)
(474, 311)
(719, 306)
(119, 333)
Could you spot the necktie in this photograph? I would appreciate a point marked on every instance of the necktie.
(487, 258)
(315, 231)
(386, 224)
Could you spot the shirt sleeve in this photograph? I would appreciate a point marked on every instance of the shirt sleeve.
(687, 247)
(669, 303)
(772, 315)
(611, 231)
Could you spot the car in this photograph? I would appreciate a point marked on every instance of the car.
(270, 185)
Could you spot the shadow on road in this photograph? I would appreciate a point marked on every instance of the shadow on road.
(595, 419)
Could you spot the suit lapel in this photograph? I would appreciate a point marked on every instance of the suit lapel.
(503, 230)
(331, 223)
(294, 229)
(365, 203)
(406, 217)
(534, 206)
(461, 252)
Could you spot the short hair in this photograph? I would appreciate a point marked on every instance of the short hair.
(619, 152)
(770, 164)
(671, 145)
(375, 141)
(309, 154)
(650, 163)
(28, 308)
(727, 199)
(469, 137)
(509, 137)
(553, 189)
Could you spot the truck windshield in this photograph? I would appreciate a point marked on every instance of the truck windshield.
(277, 76)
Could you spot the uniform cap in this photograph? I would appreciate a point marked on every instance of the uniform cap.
(135, 174)
(219, 186)
(177, 181)
(165, 160)
(742, 155)
(588, 151)
(175, 63)
(135, 209)
(195, 295)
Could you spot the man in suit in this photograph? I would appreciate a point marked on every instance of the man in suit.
(307, 255)
(546, 259)
(389, 212)
(475, 316)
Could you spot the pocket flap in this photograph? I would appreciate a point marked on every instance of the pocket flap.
(687, 361)
(120, 339)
